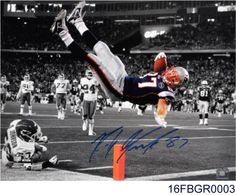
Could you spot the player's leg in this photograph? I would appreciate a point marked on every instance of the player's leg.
(75, 104)
(63, 106)
(219, 109)
(112, 66)
(92, 110)
(85, 115)
(101, 107)
(28, 100)
(78, 105)
(3, 101)
(112, 83)
(71, 103)
(58, 105)
(201, 107)
(38, 166)
(206, 107)
(22, 103)
(120, 107)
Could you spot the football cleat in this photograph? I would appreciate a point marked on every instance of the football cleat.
(119, 109)
(92, 134)
(201, 122)
(77, 14)
(62, 115)
(59, 23)
(205, 122)
(54, 160)
(85, 125)
(59, 115)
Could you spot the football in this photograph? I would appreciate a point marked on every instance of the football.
(160, 62)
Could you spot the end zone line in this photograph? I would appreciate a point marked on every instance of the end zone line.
(189, 128)
(94, 168)
(179, 175)
(123, 140)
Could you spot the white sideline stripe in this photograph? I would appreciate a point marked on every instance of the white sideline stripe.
(123, 140)
(179, 175)
(192, 128)
(123, 119)
(94, 168)
(25, 114)
(202, 128)
(67, 160)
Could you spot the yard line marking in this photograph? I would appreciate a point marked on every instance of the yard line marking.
(79, 126)
(202, 128)
(67, 160)
(94, 168)
(123, 140)
(179, 175)
(25, 114)
(192, 128)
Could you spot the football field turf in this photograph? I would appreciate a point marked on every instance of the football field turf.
(204, 150)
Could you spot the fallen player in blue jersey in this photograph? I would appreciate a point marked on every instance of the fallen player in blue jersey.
(156, 89)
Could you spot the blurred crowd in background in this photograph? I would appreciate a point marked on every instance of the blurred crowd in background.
(44, 66)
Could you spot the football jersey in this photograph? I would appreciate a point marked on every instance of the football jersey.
(147, 89)
(4, 86)
(220, 98)
(21, 150)
(61, 85)
(27, 86)
(89, 88)
(204, 93)
(75, 89)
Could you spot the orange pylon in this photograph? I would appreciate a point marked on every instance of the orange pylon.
(118, 163)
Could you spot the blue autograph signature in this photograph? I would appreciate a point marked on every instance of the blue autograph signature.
(132, 143)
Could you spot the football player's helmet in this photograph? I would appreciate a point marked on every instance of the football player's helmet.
(3, 78)
(204, 82)
(61, 76)
(27, 77)
(175, 76)
(89, 74)
(75, 81)
(27, 130)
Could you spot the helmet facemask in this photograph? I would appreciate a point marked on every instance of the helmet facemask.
(89, 74)
(172, 78)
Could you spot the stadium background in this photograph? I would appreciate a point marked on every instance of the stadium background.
(198, 35)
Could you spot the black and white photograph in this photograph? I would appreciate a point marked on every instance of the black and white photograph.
(118, 91)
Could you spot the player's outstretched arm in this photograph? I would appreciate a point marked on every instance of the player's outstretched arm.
(161, 112)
